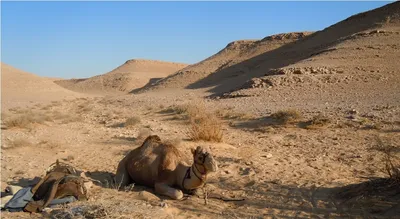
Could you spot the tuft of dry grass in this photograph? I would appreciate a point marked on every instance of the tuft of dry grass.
(178, 109)
(48, 144)
(132, 121)
(204, 125)
(84, 108)
(17, 143)
(228, 113)
(319, 120)
(286, 116)
(26, 119)
(19, 172)
(47, 107)
(390, 160)
(55, 103)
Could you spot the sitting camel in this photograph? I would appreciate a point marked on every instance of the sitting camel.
(162, 166)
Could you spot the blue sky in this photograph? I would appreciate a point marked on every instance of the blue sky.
(83, 39)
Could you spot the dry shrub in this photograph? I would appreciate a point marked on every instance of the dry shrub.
(47, 107)
(228, 113)
(16, 143)
(84, 108)
(286, 116)
(19, 172)
(65, 117)
(132, 121)
(176, 109)
(71, 118)
(48, 144)
(55, 103)
(204, 125)
(390, 159)
(319, 120)
(24, 120)
(14, 109)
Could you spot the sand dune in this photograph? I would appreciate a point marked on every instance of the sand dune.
(19, 86)
(242, 60)
(132, 74)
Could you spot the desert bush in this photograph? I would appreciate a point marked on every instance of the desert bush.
(132, 121)
(179, 109)
(390, 159)
(319, 120)
(205, 126)
(286, 116)
(47, 107)
(185, 111)
(55, 103)
(230, 114)
(48, 144)
(16, 143)
(26, 119)
(84, 108)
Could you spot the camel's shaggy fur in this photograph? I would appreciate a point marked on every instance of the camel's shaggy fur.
(163, 167)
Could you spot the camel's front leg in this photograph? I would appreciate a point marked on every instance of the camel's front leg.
(122, 177)
(164, 189)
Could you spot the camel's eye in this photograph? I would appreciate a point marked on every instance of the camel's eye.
(200, 157)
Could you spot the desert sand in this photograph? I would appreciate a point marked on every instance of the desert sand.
(305, 119)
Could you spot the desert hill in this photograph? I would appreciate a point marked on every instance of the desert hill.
(17, 85)
(234, 53)
(348, 41)
(132, 74)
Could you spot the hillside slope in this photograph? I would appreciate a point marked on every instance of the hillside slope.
(132, 74)
(17, 85)
(225, 72)
(234, 53)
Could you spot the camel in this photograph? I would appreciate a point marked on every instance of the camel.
(162, 166)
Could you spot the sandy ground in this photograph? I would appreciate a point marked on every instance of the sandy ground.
(281, 171)
(332, 169)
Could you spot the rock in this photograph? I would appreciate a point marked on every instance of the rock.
(248, 163)
(163, 205)
(267, 156)
(147, 196)
(353, 111)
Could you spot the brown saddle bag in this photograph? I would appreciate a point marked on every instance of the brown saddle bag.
(61, 180)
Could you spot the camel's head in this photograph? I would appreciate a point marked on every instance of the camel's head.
(203, 157)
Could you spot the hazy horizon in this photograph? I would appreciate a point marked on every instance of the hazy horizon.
(83, 39)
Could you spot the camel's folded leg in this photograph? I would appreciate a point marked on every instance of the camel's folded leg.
(164, 189)
(122, 177)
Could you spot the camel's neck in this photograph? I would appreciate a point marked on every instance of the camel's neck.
(193, 177)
